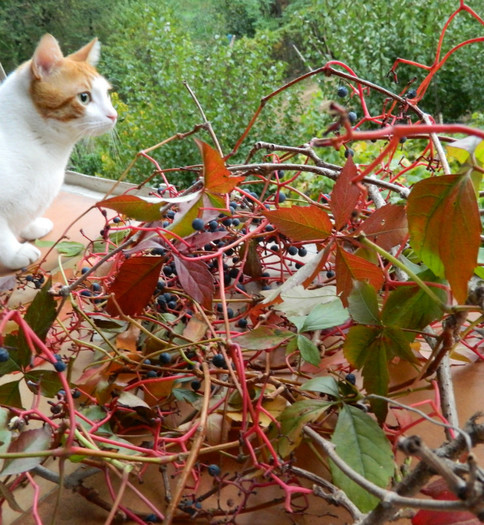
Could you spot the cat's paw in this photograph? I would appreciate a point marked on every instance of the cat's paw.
(23, 257)
(37, 229)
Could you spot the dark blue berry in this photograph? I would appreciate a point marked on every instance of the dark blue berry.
(195, 385)
(160, 285)
(76, 393)
(235, 222)
(60, 366)
(214, 470)
(198, 224)
(171, 305)
(342, 92)
(85, 270)
(411, 93)
(270, 228)
(349, 153)
(330, 274)
(242, 322)
(227, 222)
(151, 374)
(274, 248)
(351, 378)
(352, 117)
(230, 313)
(86, 293)
(218, 360)
(282, 197)
(158, 251)
(212, 226)
(147, 362)
(96, 287)
(302, 252)
(4, 355)
(403, 140)
(170, 214)
(292, 250)
(164, 358)
(153, 518)
(117, 220)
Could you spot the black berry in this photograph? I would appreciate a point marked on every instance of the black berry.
(164, 358)
(4, 355)
(352, 117)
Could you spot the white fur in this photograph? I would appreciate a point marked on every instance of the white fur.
(34, 152)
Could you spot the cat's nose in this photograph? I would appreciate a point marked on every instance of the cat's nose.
(112, 116)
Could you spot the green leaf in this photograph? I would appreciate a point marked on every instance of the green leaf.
(326, 385)
(410, 307)
(299, 301)
(369, 348)
(362, 444)
(445, 228)
(10, 394)
(135, 207)
(39, 316)
(30, 441)
(292, 420)
(5, 432)
(263, 338)
(48, 381)
(462, 149)
(70, 248)
(182, 226)
(182, 394)
(309, 351)
(325, 315)
(363, 304)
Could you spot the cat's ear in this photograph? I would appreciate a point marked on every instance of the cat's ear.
(46, 57)
(89, 53)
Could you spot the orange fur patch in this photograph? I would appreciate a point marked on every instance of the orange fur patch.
(55, 96)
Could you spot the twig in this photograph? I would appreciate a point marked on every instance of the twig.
(205, 120)
(196, 445)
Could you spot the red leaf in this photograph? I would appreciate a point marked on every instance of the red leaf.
(134, 285)
(345, 194)
(387, 226)
(438, 490)
(134, 207)
(301, 223)
(349, 268)
(196, 280)
(445, 228)
(217, 177)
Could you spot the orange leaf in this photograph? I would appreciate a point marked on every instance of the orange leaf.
(387, 226)
(445, 228)
(349, 268)
(217, 177)
(301, 223)
(345, 194)
(134, 285)
(134, 207)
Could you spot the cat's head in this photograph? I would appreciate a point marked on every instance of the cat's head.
(68, 91)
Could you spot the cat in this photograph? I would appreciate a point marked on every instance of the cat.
(46, 105)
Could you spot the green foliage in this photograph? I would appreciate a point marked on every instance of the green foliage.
(370, 36)
(148, 75)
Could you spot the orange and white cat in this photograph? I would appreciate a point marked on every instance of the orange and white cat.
(46, 106)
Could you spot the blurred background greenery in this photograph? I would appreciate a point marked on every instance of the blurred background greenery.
(233, 52)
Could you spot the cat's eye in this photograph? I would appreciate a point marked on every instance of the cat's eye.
(84, 98)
